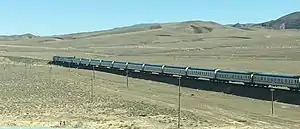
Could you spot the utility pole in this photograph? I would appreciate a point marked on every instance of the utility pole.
(69, 67)
(179, 102)
(50, 75)
(92, 84)
(25, 69)
(127, 78)
(272, 97)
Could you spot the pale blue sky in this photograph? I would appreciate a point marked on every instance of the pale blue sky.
(49, 17)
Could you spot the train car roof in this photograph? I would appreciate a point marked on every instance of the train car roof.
(234, 71)
(120, 62)
(95, 60)
(107, 61)
(135, 63)
(84, 59)
(278, 75)
(204, 69)
(154, 65)
(171, 66)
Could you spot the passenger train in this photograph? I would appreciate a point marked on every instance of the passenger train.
(215, 75)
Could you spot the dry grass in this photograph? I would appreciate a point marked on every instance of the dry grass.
(31, 100)
(35, 100)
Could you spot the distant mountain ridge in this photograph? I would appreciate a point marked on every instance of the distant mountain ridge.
(27, 35)
(17, 37)
(289, 21)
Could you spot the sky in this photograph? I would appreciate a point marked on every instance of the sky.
(54, 17)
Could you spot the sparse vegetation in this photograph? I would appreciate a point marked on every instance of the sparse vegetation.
(27, 98)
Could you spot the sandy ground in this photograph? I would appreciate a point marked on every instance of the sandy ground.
(30, 95)
(38, 96)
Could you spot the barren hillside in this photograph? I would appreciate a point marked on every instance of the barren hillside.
(192, 43)
(32, 94)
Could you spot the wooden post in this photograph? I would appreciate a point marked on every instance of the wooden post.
(69, 67)
(25, 69)
(127, 78)
(92, 85)
(272, 97)
(50, 75)
(179, 102)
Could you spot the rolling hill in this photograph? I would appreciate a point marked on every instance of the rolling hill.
(32, 91)
(289, 21)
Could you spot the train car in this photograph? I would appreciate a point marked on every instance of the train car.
(95, 63)
(154, 68)
(174, 70)
(266, 79)
(135, 66)
(106, 63)
(61, 59)
(119, 65)
(77, 61)
(234, 76)
(206, 73)
(85, 61)
(69, 60)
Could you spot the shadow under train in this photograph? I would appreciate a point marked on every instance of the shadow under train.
(135, 71)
